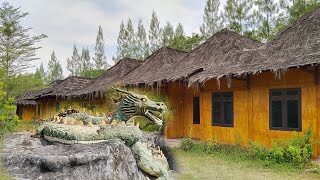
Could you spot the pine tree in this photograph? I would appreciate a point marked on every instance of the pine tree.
(238, 14)
(155, 33)
(179, 31)
(167, 34)
(266, 18)
(122, 43)
(142, 42)
(41, 71)
(99, 58)
(17, 47)
(85, 62)
(40, 75)
(186, 43)
(131, 51)
(293, 9)
(54, 69)
(212, 19)
(74, 64)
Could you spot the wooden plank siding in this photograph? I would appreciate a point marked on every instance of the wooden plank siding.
(28, 112)
(250, 106)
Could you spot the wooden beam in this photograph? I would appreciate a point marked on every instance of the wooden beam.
(248, 81)
(239, 78)
(316, 75)
(306, 69)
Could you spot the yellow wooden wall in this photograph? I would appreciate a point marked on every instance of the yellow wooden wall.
(49, 105)
(28, 112)
(251, 109)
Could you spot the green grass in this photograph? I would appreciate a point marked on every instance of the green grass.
(200, 165)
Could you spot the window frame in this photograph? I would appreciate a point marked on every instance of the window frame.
(193, 112)
(221, 99)
(284, 98)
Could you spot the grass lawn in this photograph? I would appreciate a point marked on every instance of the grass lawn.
(191, 165)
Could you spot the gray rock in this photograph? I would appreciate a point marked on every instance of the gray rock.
(33, 158)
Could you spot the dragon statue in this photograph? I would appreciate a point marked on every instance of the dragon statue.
(80, 128)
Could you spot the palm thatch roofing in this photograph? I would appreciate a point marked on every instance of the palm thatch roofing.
(217, 56)
(29, 98)
(297, 45)
(108, 79)
(66, 87)
(156, 67)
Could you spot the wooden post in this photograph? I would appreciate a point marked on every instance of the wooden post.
(316, 77)
(248, 82)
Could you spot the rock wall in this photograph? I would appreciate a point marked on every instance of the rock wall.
(33, 158)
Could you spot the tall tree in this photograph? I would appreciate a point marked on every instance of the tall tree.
(212, 19)
(238, 14)
(17, 47)
(179, 31)
(293, 9)
(186, 43)
(266, 13)
(167, 34)
(122, 43)
(85, 62)
(155, 33)
(142, 42)
(131, 41)
(40, 75)
(99, 58)
(54, 69)
(74, 64)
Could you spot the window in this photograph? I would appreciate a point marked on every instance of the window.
(196, 110)
(285, 109)
(222, 109)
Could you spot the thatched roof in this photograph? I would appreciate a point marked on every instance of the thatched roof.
(215, 57)
(156, 67)
(28, 98)
(296, 45)
(111, 77)
(67, 86)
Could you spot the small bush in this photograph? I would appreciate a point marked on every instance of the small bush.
(297, 150)
(152, 128)
(186, 144)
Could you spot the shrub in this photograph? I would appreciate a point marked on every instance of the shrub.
(8, 117)
(186, 144)
(297, 150)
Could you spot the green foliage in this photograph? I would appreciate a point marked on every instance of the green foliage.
(297, 150)
(100, 60)
(74, 64)
(8, 117)
(292, 10)
(25, 82)
(237, 14)
(155, 33)
(186, 144)
(54, 69)
(187, 43)
(212, 19)
(17, 47)
(142, 42)
(167, 34)
(265, 14)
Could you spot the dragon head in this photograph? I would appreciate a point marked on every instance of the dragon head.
(139, 105)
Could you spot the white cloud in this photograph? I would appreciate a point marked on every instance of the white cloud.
(68, 21)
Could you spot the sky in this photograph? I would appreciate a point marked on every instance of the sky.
(69, 22)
